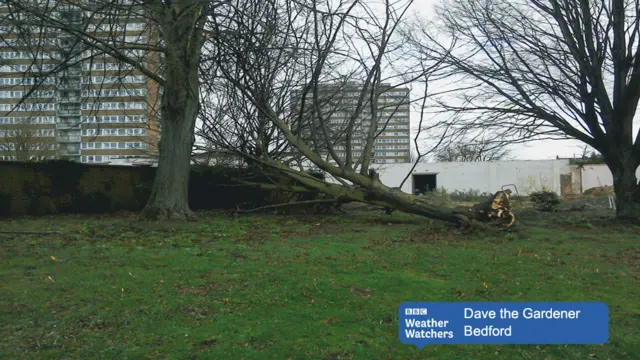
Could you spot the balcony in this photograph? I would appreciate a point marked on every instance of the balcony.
(69, 112)
(70, 54)
(67, 125)
(69, 152)
(69, 99)
(68, 138)
(72, 72)
(70, 86)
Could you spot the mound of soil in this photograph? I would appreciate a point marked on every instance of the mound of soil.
(599, 191)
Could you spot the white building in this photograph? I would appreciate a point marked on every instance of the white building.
(525, 176)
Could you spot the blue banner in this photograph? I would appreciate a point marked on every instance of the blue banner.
(425, 323)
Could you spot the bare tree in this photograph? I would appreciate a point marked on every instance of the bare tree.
(313, 79)
(589, 157)
(471, 152)
(537, 69)
(25, 142)
(170, 58)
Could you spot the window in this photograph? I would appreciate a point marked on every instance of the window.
(28, 107)
(116, 119)
(27, 81)
(135, 79)
(115, 106)
(114, 145)
(117, 27)
(31, 120)
(115, 92)
(114, 132)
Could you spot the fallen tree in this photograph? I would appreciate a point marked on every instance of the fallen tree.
(278, 100)
(496, 210)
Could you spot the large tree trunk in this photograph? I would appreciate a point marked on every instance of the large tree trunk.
(497, 209)
(182, 24)
(627, 190)
(170, 192)
(396, 199)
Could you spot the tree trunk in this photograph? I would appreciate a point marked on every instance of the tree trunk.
(497, 209)
(627, 191)
(182, 24)
(395, 199)
(170, 192)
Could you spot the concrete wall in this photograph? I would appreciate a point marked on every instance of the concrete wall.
(598, 175)
(527, 175)
(576, 179)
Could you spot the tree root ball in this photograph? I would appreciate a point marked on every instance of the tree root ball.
(496, 209)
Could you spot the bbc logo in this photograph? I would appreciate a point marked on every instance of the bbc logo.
(415, 311)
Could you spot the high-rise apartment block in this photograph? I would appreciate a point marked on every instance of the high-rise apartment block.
(338, 104)
(86, 106)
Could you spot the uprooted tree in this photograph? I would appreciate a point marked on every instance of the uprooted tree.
(307, 85)
(538, 69)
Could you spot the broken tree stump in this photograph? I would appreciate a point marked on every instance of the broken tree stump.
(496, 209)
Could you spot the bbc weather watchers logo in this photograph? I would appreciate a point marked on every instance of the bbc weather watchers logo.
(415, 311)
(503, 323)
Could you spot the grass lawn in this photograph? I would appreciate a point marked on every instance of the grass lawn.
(267, 287)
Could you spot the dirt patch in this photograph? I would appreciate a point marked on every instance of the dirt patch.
(238, 255)
(392, 221)
(630, 256)
(340, 355)
(363, 292)
(208, 343)
(198, 290)
(599, 191)
(197, 312)
(332, 320)
(91, 324)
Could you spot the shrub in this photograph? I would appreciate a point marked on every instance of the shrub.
(93, 203)
(64, 174)
(545, 200)
(471, 195)
(141, 193)
(439, 196)
(60, 186)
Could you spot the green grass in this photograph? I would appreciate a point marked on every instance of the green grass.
(266, 287)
